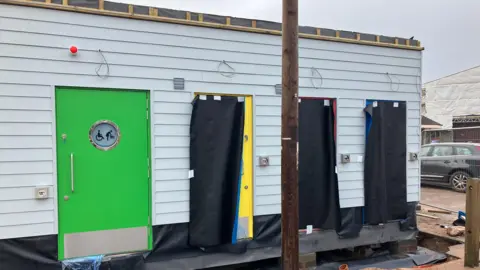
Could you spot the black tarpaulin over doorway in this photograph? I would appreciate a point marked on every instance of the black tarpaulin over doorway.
(385, 162)
(216, 138)
(318, 185)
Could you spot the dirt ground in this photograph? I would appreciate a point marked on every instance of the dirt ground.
(441, 197)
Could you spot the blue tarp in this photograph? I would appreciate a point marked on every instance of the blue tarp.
(85, 263)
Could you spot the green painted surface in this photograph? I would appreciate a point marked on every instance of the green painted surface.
(111, 188)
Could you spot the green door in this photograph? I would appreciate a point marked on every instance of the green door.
(103, 171)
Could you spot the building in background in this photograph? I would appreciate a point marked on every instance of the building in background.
(454, 102)
(428, 123)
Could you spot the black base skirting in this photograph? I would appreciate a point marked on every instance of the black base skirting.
(32, 253)
(255, 251)
(171, 249)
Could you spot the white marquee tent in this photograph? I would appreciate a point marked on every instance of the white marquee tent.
(454, 98)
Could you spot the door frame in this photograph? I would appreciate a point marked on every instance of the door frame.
(150, 152)
(334, 100)
(252, 140)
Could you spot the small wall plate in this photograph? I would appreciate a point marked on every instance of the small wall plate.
(345, 158)
(41, 193)
(412, 156)
(263, 161)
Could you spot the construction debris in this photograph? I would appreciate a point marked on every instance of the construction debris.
(427, 216)
(438, 211)
(438, 207)
(456, 231)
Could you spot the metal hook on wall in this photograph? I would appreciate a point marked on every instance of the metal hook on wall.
(227, 74)
(314, 72)
(104, 62)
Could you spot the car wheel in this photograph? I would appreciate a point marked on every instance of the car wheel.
(458, 180)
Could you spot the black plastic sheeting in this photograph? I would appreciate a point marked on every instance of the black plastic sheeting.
(378, 260)
(216, 139)
(422, 257)
(385, 162)
(319, 204)
(172, 251)
(410, 222)
(32, 253)
(350, 223)
(267, 229)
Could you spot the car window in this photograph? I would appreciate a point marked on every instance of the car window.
(463, 151)
(441, 151)
(424, 151)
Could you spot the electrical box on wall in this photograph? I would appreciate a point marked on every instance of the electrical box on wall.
(263, 161)
(413, 156)
(41, 193)
(345, 158)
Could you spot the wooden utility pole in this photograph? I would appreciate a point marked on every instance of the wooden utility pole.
(290, 254)
(472, 226)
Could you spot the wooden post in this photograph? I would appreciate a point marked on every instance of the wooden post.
(290, 256)
(472, 228)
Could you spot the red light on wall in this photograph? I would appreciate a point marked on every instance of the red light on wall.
(73, 50)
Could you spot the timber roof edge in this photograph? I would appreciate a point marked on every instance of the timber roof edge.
(107, 8)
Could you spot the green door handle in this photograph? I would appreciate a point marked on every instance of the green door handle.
(72, 173)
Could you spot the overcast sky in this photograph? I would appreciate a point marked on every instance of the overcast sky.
(449, 29)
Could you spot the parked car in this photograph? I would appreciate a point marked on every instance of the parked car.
(449, 164)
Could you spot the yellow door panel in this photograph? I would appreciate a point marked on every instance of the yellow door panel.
(246, 193)
(245, 213)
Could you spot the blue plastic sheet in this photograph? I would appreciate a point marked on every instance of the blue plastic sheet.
(85, 263)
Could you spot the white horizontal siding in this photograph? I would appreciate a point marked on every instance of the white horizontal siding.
(413, 145)
(26, 160)
(26, 180)
(19, 206)
(16, 116)
(36, 167)
(267, 192)
(350, 140)
(32, 229)
(75, 68)
(147, 55)
(171, 114)
(25, 218)
(26, 142)
(11, 155)
(21, 193)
